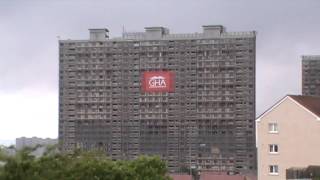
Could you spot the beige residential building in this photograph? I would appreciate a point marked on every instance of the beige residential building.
(288, 135)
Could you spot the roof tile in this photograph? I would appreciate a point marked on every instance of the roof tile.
(180, 177)
(312, 103)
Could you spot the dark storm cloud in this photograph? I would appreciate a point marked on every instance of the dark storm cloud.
(29, 29)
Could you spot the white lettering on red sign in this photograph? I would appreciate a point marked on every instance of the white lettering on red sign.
(157, 82)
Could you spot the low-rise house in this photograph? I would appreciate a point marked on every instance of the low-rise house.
(288, 135)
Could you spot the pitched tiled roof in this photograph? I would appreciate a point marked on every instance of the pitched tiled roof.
(312, 103)
(208, 176)
(180, 177)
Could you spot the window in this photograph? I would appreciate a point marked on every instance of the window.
(273, 148)
(273, 169)
(273, 127)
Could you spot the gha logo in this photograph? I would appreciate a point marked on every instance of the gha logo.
(157, 82)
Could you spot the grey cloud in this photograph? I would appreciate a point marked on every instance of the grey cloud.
(286, 30)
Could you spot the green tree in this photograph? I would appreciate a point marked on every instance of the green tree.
(81, 166)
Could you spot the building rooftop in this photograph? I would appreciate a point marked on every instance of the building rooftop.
(208, 176)
(311, 57)
(162, 33)
(180, 177)
(312, 103)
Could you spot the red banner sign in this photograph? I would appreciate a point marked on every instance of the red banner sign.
(158, 81)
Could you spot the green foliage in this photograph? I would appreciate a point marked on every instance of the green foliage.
(81, 166)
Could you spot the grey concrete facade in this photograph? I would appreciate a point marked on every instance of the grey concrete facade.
(311, 75)
(206, 123)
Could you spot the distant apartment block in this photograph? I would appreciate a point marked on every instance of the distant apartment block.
(288, 136)
(34, 141)
(311, 75)
(188, 98)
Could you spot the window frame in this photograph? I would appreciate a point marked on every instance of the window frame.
(273, 128)
(273, 148)
(273, 169)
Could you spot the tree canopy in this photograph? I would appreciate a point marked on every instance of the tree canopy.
(80, 166)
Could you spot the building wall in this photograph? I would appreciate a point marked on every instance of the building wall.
(297, 139)
(311, 75)
(207, 122)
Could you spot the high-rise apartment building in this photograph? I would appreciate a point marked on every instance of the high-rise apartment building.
(188, 98)
(311, 75)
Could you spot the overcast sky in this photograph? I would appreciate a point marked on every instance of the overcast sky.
(286, 30)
